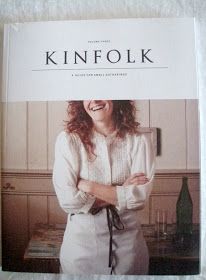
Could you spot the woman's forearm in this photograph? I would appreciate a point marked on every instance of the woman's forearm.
(108, 193)
(104, 192)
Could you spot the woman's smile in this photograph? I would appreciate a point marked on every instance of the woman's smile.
(99, 110)
(97, 107)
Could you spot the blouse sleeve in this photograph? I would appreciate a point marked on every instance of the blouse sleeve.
(143, 160)
(65, 176)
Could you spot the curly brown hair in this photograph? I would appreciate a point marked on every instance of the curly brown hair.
(80, 122)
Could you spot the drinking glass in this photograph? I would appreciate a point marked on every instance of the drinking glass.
(161, 223)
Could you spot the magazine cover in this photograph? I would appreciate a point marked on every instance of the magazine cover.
(100, 169)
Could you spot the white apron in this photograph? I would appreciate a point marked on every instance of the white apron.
(85, 248)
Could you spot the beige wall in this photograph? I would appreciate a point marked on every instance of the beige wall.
(30, 129)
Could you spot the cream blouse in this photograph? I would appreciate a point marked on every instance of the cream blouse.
(116, 160)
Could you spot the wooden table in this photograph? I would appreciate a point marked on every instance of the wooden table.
(42, 252)
(166, 257)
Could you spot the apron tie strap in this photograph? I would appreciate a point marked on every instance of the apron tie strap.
(113, 220)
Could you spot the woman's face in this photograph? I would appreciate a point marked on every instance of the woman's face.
(99, 110)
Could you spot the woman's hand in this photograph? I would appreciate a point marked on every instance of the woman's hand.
(106, 194)
(85, 185)
(136, 179)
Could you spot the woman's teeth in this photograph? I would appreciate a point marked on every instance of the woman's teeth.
(96, 108)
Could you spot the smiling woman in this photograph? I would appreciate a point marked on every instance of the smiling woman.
(103, 175)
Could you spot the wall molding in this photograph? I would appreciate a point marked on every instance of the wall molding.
(39, 182)
(47, 174)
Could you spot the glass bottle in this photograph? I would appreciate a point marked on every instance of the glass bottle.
(184, 209)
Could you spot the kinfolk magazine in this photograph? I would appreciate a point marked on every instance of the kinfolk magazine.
(114, 66)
